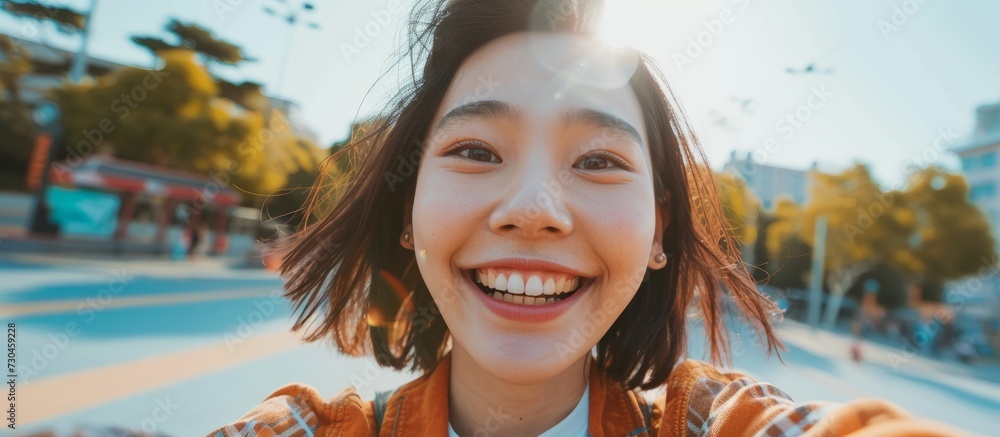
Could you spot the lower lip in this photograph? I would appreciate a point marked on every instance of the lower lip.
(527, 313)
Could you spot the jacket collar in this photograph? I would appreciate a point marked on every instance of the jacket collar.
(421, 406)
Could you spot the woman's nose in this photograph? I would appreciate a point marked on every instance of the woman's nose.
(533, 206)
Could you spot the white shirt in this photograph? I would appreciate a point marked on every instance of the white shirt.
(574, 425)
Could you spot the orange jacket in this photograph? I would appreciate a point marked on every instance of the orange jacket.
(700, 401)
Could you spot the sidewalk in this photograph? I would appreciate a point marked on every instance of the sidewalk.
(139, 264)
(983, 380)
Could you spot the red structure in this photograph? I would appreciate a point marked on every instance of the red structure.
(133, 179)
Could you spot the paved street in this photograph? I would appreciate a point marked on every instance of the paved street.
(178, 348)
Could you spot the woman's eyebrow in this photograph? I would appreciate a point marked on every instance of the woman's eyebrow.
(495, 109)
(601, 120)
(487, 109)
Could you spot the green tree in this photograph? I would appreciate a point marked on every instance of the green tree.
(739, 205)
(66, 20)
(953, 237)
(169, 117)
(303, 163)
(16, 127)
(197, 39)
(789, 256)
(865, 225)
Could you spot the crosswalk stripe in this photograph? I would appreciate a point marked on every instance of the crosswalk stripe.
(47, 398)
(11, 310)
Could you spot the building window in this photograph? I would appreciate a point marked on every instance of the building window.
(983, 191)
(989, 160)
(968, 163)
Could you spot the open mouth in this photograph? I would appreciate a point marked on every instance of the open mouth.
(526, 288)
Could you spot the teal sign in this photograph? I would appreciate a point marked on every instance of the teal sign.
(83, 212)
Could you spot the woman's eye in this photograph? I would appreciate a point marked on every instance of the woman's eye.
(474, 152)
(601, 161)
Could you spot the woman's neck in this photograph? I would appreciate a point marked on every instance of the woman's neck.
(478, 401)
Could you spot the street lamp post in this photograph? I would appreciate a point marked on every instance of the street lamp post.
(816, 278)
(291, 16)
(79, 66)
(46, 117)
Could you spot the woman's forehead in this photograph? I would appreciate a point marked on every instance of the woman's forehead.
(542, 74)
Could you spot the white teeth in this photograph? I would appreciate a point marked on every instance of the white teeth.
(533, 287)
(518, 283)
(501, 282)
(522, 299)
(515, 284)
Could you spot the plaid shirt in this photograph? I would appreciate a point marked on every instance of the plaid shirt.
(700, 400)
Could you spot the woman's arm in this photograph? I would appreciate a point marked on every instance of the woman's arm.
(297, 407)
(702, 401)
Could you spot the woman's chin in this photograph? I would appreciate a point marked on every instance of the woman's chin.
(524, 361)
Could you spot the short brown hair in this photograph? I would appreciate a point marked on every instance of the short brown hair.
(348, 274)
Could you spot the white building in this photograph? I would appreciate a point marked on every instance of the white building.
(769, 182)
(980, 154)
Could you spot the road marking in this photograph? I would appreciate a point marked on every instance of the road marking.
(12, 310)
(47, 398)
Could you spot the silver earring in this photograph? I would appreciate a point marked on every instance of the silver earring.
(660, 257)
(406, 236)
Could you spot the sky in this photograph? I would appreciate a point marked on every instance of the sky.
(894, 77)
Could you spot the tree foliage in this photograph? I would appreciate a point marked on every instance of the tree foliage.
(197, 39)
(953, 237)
(17, 130)
(66, 20)
(927, 230)
(739, 206)
(169, 117)
(177, 117)
(790, 257)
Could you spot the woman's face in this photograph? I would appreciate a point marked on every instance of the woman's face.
(534, 216)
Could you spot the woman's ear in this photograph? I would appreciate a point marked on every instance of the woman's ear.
(406, 239)
(657, 256)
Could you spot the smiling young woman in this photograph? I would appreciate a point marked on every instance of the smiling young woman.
(538, 265)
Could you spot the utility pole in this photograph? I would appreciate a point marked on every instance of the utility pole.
(46, 117)
(816, 278)
(290, 16)
(79, 66)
